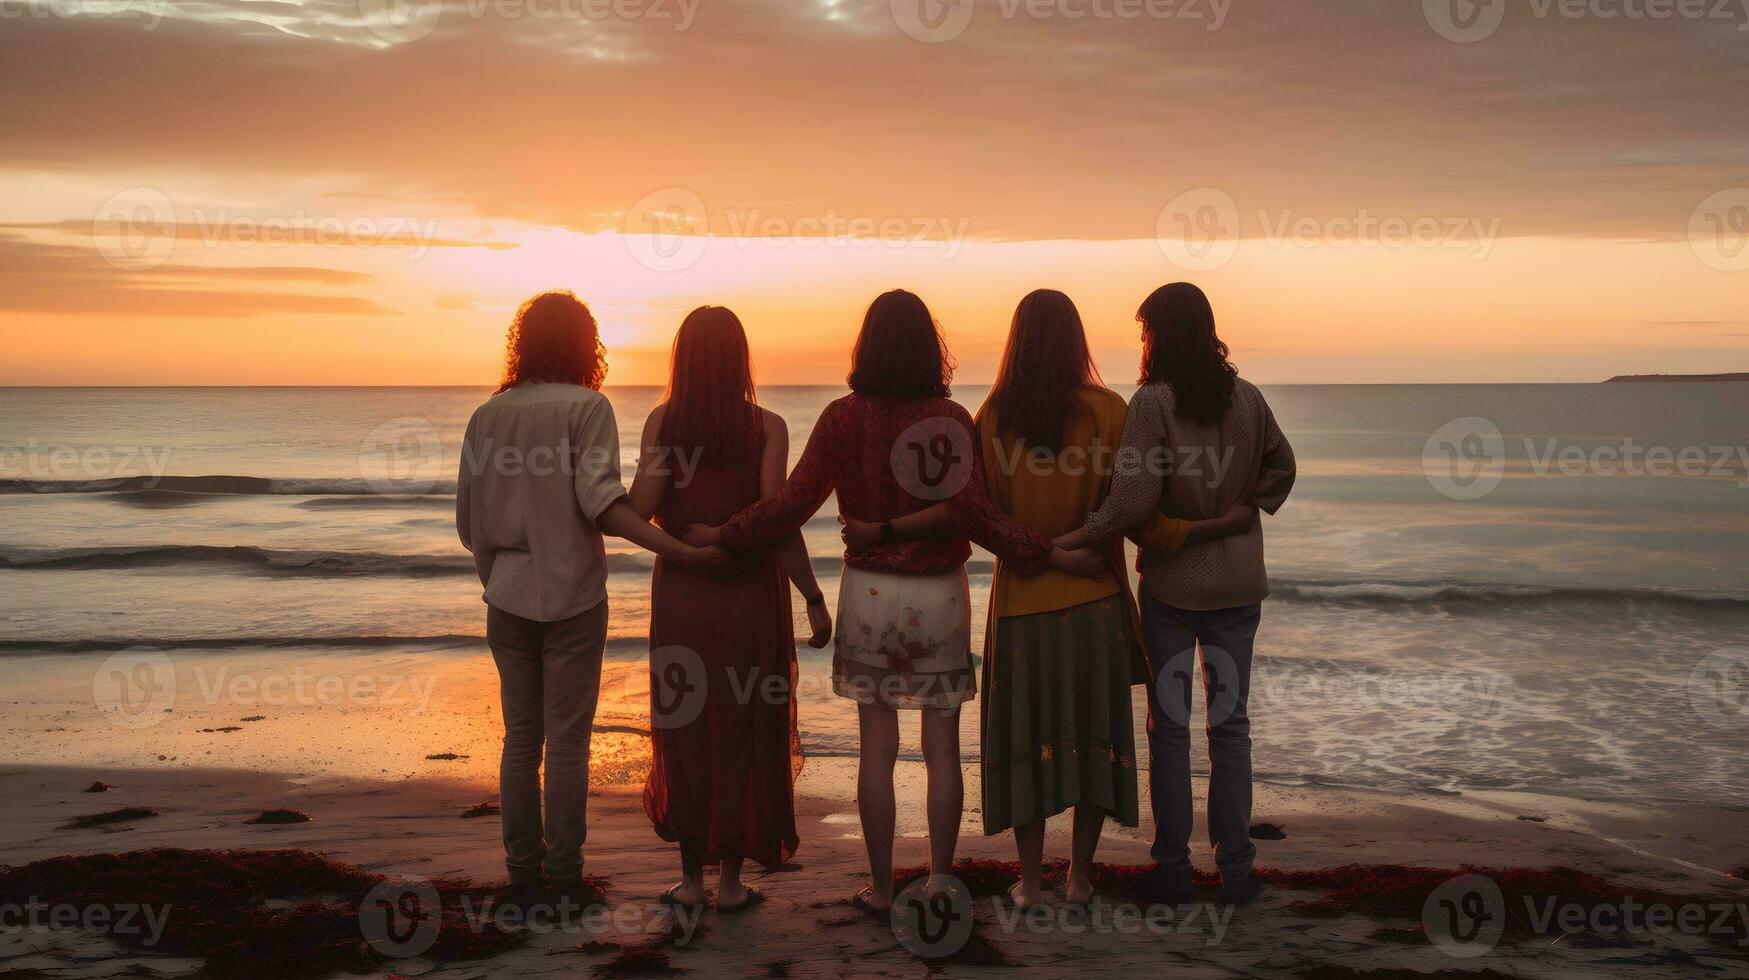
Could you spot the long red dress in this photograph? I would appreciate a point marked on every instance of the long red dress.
(723, 673)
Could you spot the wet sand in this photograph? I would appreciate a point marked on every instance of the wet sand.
(807, 928)
(386, 750)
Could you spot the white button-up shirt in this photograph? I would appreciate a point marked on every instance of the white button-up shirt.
(540, 462)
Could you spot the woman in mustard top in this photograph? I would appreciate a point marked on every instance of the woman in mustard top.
(1060, 651)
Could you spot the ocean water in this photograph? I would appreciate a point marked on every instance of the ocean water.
(1540, 588)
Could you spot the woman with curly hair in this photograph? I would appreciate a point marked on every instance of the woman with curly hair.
(539, 485)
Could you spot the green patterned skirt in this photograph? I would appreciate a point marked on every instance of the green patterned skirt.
(1057, 725)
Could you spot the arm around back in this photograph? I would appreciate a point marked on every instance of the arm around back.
(1137, 480)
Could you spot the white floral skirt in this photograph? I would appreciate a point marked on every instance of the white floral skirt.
(904, 641)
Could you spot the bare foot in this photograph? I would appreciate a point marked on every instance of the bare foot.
(872, 902)
(689, 893)
(939, 885)
(1024, 899)
(1078, 892)
(731, 894)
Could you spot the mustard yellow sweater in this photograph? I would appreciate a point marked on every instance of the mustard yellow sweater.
(1054, 495)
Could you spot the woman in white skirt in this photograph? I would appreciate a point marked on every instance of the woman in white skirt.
(894, 446)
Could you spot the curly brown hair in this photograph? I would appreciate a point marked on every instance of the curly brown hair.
(554, 339)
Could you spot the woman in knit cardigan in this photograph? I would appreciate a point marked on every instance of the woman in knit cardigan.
(1060, 651)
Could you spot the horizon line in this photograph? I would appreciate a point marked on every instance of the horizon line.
(623, 387)
(1674, 379)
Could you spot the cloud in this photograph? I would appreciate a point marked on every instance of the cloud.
(1022, 128)
(337, 232)
(45, 278)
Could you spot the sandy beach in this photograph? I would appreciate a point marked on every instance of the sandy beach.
(414, 829)
(385, 751)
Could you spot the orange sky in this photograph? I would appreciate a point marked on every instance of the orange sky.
(295, 194)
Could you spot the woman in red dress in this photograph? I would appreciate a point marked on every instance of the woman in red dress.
(895, 446)
(722, 700)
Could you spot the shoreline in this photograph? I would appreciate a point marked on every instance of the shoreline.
(415, 827)
(1366, 821)
(431, 715)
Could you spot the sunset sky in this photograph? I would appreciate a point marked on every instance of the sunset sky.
(361, 191)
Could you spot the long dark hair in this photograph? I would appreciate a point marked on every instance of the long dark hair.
(900, 352)
(554, 339)
(712, 405)
(1045, 363)
(1180, 347)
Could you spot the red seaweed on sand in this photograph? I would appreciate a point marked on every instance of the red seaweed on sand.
(1328, 971)
(1391, 892)
(638, 961)
(218, 907)
(649, 958)
(280, 816)
(1125, 883)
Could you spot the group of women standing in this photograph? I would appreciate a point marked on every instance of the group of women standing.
(1048, 477)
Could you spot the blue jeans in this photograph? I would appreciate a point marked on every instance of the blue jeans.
(1172, 637)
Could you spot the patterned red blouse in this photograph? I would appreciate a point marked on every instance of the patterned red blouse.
(887, 458)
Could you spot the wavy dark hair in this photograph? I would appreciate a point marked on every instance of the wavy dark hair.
(900, 352)
(554, 338)
(1180, 348)
(1044, 364)
(712, 405)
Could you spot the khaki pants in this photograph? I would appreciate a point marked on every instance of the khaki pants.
(549, 676)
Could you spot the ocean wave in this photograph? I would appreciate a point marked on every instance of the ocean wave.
(618, 647)
(1449, 593)
(265, 561)
(340, 564)
(340, 502)
(277, 562)
(262, 560)
(109, 644)
(233, 485)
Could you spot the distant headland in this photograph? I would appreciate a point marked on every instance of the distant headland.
(1676, 378)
